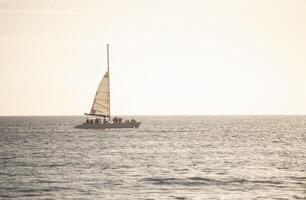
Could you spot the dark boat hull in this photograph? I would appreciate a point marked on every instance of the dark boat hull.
(109, 125)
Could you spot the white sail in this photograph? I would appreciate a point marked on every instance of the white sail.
(101, 104)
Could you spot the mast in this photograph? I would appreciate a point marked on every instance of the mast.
(107, 46)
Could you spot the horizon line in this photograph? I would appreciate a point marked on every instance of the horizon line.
(155, 115)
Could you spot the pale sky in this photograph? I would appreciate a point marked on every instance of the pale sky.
(201, 57)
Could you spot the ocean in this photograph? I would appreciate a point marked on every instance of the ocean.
(167, 157)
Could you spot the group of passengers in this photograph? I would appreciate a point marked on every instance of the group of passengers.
(116, 120)
(96, 121)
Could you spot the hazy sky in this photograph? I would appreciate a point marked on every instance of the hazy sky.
(167, 56)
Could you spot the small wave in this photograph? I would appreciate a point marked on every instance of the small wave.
(51, 181)
(54, 165)
(161, 181)
(7, 196)
(166, 131)
(31, 194)
(302, 178)
(201, 179)
(172, 181)
(193, 181)
(34, 191)
(266, 182)
(179, 198)
(7, 174)
(7, 158)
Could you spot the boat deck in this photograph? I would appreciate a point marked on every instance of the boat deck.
(109, 125)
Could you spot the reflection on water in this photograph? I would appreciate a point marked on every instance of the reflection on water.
(166, 158)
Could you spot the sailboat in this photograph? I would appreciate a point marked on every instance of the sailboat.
(100, 115)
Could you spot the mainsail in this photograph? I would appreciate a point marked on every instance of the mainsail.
(101, 104)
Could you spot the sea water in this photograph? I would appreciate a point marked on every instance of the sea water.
(190, 157)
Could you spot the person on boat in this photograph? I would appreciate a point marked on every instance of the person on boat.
(104, 120)
(87, 121)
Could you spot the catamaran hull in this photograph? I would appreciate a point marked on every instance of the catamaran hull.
(109, 125)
